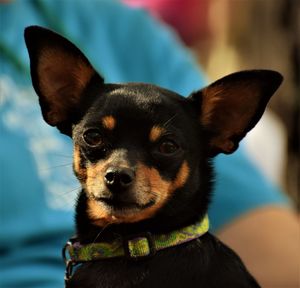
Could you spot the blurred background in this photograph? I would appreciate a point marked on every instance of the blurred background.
(225, 36)
(231, 35)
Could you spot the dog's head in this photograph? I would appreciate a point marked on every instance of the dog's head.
(138, 148)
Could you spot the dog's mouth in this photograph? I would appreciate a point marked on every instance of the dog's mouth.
(111, 210)
(122, 205)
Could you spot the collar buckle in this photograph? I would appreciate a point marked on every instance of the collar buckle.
(139, 246)
(69, 262)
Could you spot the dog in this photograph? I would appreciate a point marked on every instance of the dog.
(143, 155)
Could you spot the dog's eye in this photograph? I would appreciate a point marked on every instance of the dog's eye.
(92, 137)
(168, 147)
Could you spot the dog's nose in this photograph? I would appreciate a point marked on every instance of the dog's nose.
(119, 177)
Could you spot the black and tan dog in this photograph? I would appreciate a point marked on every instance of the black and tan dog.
(143, 156)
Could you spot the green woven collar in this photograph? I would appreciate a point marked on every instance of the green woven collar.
(135, 247)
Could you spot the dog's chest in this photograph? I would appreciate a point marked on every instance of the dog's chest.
(174, 267)
(204, 262)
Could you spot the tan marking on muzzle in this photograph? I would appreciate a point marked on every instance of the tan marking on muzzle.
(98, 213)
(151, 187)
(158, 188)
(154, 188)
(95, 182)
(95, 178)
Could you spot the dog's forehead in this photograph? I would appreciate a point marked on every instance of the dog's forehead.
(143, 95)
(139, 101)
(137, 92)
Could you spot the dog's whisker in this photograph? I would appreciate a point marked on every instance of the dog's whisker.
(63, 156)
(98, 235)
(57, 166)
(74, 189)
(169, 121)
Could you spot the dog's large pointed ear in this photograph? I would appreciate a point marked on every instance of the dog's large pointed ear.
(60, 74)
(231, 106)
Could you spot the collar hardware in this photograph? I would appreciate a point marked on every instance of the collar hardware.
(139, 246)
(69, 270)
(69, 262)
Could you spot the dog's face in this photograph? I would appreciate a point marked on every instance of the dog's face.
(139, 148)
(133, 150)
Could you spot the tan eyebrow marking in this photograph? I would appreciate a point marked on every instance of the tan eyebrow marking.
(109, 122)
(156, 133)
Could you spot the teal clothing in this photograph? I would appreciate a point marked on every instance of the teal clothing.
(38, 189)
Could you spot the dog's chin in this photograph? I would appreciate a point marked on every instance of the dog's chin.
(124, 206)
(104, 211)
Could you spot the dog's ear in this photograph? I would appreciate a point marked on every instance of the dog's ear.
(231, 106)
(60, 74)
